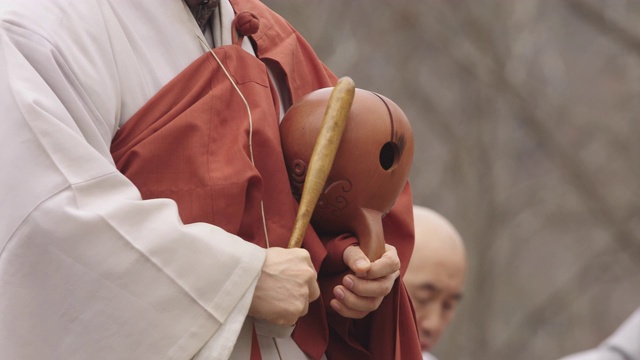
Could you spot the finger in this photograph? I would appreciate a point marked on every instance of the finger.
(290, 318)
(308, 259)
(355, 303)
(312, 283)
(356, 260)
(305, 310)
(370, 288)
(314, 290)
(346, 312)
(388, 264)
(290, 315)
(303, 254)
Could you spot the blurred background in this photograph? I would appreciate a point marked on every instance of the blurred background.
(525, 116)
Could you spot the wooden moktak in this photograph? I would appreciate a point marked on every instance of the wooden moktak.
(370, 142)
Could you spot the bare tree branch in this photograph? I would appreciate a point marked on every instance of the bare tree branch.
(594, 16)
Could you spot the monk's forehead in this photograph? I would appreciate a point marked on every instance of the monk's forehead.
(436, 239)
(444, 270)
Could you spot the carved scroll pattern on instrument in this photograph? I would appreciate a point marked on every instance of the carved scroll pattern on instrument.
(334, 197)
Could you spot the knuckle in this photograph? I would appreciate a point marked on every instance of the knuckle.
(288, 320)
(395, 263)
(387, 289)
(389, 284)
(373, 305)
(296, 310)
(315, 293)
(309, 275)
(299, 253)
(310, 271)
(359, 315)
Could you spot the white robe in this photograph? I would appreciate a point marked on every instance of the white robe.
(87, 269)
(623, 344)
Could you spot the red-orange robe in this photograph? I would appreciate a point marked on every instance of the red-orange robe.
(190, 143)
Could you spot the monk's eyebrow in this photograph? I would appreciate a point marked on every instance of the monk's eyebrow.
(430, 287)
(434, 289)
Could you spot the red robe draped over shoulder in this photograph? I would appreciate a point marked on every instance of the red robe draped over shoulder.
(190, 143)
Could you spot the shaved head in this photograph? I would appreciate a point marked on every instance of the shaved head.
(435, 275)
(435, 233)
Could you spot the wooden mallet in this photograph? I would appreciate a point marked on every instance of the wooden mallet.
(324, 152)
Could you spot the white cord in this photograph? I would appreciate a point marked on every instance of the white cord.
(246, 104)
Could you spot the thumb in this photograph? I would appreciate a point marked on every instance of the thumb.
(356, 260)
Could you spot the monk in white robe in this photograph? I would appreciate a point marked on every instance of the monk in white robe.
(87, 269)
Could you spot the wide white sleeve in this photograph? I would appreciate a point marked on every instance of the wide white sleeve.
(626, 339)
(87, 269)
(623, 344)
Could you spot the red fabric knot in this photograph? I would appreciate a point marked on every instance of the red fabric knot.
(247, 23)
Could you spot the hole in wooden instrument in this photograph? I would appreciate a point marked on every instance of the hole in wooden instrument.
(389, 155)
